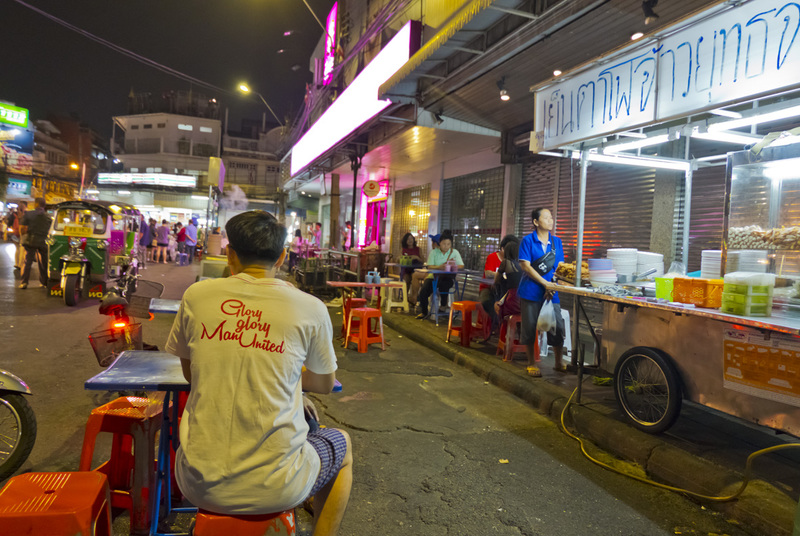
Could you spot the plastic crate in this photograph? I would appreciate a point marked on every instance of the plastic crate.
(664, 288)
(739, 304)
(108, 344)
(748, 290)
(698, 291)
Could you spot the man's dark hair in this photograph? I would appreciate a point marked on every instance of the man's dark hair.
(40, 202)
(508, 238)
(447, 234)
(256, 237)
(511, 250)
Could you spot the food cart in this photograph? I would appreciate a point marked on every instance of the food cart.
(746, 366)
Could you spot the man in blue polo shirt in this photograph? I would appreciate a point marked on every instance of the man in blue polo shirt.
(539, 255)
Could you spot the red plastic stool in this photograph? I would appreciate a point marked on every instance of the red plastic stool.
(130, 466)
(347, 304)
(465, 329)
(211, 524)
(365, 335)
(508, 345)
(56, 504)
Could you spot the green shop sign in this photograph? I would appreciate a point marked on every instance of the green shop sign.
(18, 188)
(13, 115)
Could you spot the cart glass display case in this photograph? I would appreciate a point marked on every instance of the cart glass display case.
(762, 228)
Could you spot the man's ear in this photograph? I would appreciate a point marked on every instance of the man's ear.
(280, 260)
(233, 260)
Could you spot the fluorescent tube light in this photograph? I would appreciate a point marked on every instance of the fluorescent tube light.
(200, 197)
(123, 192)
(92, 192)
(639, 135)
(726, 113)
(678, 165)
(550, 153)
(736, 138)
(638, 144)
(712, 158)
(786, 113)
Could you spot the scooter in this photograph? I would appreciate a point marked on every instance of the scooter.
(74, 271)
(17, 424)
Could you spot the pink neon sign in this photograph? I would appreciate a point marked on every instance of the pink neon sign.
(330, 44)
(359, 102)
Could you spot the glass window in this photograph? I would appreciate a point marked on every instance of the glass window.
(206, 129)
(134, 127)
(148, 126)
(162, 125)
(134, 170)
(83, 217)
(182, 126)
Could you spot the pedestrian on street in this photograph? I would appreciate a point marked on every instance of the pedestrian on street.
(539, 255)
(151, 240)
(262, 457)
(162, 241)
(438, 260)
(191, 239)
(180, 236)
(34, 228)
(144, 240)
(19, 260)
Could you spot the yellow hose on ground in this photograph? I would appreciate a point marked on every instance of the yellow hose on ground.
(747, 469)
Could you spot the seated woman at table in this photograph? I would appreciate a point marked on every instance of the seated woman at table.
(417, 278)
(410, 249)
(487, 295)
(296, 247)
(437, 259)
(243, 342)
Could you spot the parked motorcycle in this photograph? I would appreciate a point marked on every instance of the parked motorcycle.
(17, 424)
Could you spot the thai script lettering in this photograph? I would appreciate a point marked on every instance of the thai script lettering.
(746, 51)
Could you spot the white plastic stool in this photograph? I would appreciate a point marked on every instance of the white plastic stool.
(544, 349)
(388, 295)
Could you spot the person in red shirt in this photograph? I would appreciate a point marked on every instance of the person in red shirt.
(485, 293)
(180, 237)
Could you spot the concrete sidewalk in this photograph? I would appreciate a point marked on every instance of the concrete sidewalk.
(704, 451)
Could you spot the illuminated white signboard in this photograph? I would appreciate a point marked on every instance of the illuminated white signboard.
(359, 102)
(734, 55)
(148, 179)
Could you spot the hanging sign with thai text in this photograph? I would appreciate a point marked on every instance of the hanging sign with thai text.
(737, 54)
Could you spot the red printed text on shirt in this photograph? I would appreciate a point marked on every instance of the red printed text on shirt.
(245, 328)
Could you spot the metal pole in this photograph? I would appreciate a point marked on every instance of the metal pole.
(355, 165)
(687, 211)
(577, 357)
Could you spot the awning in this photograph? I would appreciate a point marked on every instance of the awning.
(473, 17)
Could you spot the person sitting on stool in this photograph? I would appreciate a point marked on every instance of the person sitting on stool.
(437, 259)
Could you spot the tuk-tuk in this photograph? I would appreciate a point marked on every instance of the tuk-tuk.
(90, 242)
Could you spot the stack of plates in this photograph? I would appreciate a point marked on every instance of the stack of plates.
(752, 260)
(647, 261)
(711, 264)
(625, 261)
(598, 278)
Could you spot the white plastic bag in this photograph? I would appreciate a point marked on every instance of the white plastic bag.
(547, 317)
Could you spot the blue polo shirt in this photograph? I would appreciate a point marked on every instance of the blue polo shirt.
(532, 249)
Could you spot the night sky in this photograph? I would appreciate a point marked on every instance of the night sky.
(51, 69)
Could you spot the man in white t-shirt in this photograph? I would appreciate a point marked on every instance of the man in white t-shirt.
(243, 341)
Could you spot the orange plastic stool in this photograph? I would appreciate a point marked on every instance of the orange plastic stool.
(129, 468)
(347, 304)
(465, 329)
(56, 504)
(211, 524)
(508, 345)
(365, 335)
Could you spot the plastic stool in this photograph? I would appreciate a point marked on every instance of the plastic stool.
(465, 329)
(347, 304)
(365, 336)
(130, 466)
(508, 345)
(56, 504)
(483, 325)
(211, 524)
(567, 337)
(390, 293)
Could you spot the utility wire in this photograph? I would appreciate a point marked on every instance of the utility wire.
(124, 51)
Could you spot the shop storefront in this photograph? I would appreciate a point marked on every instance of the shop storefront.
(648, 111)
(411, 214)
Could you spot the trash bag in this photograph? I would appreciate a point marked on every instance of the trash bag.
(547, 318)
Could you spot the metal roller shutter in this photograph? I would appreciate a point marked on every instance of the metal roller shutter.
(619, 209)
(707, 210)
(539, 179)
(472, 207)
(412, 209)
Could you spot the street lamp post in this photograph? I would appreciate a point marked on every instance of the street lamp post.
(244, 88)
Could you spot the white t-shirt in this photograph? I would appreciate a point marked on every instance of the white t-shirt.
(243, 433)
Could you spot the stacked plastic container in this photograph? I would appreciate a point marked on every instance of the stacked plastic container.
(748, 294)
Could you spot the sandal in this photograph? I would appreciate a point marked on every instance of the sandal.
(534, 372)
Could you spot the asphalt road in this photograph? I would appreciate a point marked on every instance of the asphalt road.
(437, 450)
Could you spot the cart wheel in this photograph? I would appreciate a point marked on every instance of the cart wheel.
(72, 290)
(647, 389)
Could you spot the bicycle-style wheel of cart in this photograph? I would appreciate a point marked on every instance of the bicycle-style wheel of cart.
(648, 389)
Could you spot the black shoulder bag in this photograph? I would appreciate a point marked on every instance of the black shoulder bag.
(545, 263)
